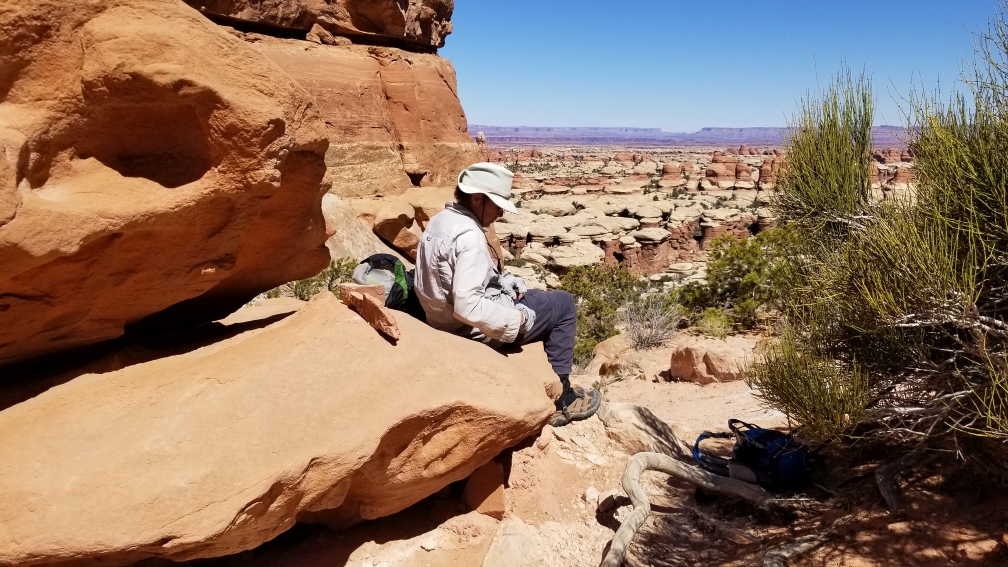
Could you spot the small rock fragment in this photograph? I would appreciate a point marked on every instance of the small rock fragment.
(591, 495)
(608, 500)
(428, 544)
(484, 491)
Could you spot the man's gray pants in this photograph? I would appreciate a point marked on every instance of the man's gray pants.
(555, 325)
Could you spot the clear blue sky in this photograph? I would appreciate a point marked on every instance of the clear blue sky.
(683, 65)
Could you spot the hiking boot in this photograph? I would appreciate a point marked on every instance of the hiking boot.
(575, 404)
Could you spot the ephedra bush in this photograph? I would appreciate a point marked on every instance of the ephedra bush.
(894, 310)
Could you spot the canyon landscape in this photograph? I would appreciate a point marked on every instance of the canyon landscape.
(175, 177)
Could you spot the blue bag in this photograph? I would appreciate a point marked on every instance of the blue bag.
(766, 457)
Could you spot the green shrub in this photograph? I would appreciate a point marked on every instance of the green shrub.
(584, 352)
(339, 271)
(714, 322)
(742, 275)
(896, 310)
(600, 292)
(826, 398)
(695, 296)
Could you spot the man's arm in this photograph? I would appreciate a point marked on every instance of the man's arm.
(472, 263)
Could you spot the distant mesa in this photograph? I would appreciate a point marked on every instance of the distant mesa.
(884, 136)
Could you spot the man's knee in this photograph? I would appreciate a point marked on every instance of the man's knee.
(566, 300)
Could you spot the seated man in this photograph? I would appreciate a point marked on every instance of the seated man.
(464, 290)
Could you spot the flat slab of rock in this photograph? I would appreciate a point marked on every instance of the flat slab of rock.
(315, 418)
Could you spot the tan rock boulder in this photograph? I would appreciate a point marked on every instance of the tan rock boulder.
(393, 118)
(742, 172)
(371, 306)
(701, 367)
(313, 418)
(320, 35)
(351, 238)
(769, 171)
(421, 23)
(156, 165)
(703, 360)
(484, 491)
(635, 429)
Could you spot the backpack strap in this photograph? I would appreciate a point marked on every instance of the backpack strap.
(708, 462)
(736, 426)
(746, 432)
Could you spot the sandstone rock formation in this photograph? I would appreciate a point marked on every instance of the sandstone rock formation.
(393, 118)
(701, 367)
(152, 164)
(704, 360)
(888, 155)
(423, 23)
(219, 449)
(769, 171)
(350, 238)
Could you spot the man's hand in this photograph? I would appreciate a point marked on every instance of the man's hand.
(527, 317)
(513, 286)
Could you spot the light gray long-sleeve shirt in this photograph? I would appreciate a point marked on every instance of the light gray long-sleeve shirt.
(456, 279)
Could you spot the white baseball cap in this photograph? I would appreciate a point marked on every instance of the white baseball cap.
(490, 179)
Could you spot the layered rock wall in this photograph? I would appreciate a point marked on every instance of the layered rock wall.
(423, 23)
(152, 165)
(393, 118)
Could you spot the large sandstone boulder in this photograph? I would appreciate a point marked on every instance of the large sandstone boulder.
(422, 23)
(393, 118)
(152, 164)
(315, 418)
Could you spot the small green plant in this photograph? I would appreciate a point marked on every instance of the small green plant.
(584, 351)
(600, 292)
(339, 271)
(742, 276)
(516, 262)
(826, 397)
(714, 322)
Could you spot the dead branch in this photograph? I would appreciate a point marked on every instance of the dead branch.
(794, 549)
(681, 470)
(782, 556)
(885, 476)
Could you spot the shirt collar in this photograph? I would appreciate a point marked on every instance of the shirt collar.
(457, 208)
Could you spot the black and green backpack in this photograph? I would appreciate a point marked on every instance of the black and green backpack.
(398, 281)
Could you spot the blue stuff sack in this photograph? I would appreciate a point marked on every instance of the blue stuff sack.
(761, 456)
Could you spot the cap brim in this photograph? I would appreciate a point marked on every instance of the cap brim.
(501, 202)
